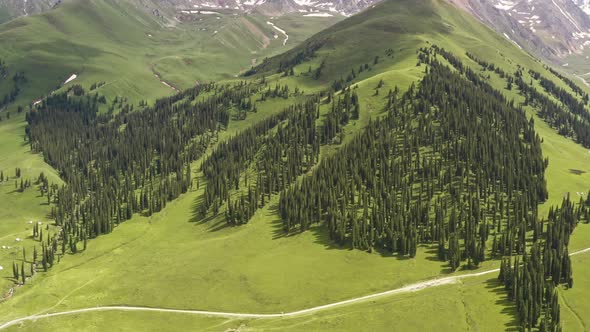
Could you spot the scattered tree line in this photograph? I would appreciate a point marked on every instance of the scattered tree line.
(289, 60)
(344, 109)
(18, 79)
(575, 87)
(117, 164)
(573, 121)
(570, 101)
(3, 69)
(126, 163)
(531, 281)
(569, 117)
(96, 85)
(487, 65)
(267, 157)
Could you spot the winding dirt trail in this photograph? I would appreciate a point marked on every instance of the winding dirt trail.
(406, 289)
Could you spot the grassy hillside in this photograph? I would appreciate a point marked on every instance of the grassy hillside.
(174, 259)
(123, 45)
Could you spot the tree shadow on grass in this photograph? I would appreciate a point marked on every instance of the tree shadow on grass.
(214, 222)
(197, 215)
(503, 301)
(278, 231)
(322, 237)
(431, 252)
(319, 231)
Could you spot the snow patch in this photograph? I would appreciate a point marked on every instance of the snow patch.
(505, 5)
(567, 16)
(165, 83)
(73, 77)
(202, 12)
(281, 31)
(305, 2)
(318, 15)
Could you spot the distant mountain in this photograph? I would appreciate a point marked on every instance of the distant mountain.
(178, 9)
(553, 29)
(550, 28)
(274, 7)
(10, 9)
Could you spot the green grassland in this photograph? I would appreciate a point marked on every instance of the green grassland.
(175, 260)
(457, 307)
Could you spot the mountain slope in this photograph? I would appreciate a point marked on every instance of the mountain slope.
(392, 32)
(128, 47)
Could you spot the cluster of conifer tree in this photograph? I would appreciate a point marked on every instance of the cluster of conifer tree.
(18, 79)
(288, 61)
(24, 183)
(129, 162)
(279, 91)
(344, 109)
(531, 283)
(487, 65)
(452, 163)
(76, 90)
(569, 117)
(570, 120)
(572, 102)
(3, 69)
(343, 84)
(52, 248)
(97, 85)
(576, 88)
(317, 73)
(268, 157)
